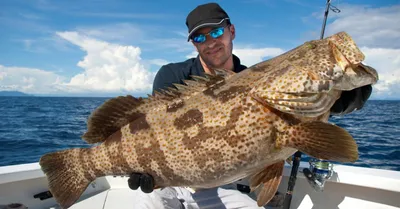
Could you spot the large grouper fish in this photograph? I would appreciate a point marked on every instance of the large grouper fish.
(221, 128)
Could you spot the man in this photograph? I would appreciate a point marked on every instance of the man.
(212, 34)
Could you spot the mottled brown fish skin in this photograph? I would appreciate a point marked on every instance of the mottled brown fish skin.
(213, 142)
(209, 140)
(216, 131)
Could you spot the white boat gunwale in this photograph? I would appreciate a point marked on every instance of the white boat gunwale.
(364, 181)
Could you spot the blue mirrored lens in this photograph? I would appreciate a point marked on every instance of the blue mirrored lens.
(200, 38)
(217, 32)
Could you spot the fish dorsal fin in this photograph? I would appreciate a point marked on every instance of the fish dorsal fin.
(118, 112)
(111, 116)
(192, 86)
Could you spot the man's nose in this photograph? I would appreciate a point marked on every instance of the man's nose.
(210, 42)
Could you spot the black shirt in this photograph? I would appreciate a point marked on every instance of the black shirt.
(176, 72)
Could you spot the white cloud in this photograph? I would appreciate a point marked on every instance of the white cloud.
(191, 55)
(387, 63)
(108, 67)
(112, 63)
(125, 15)
(29, 80)
(148, 37)
(376, 31)
(372, 27)
(123, 32)
(158, 62)
(251, 56)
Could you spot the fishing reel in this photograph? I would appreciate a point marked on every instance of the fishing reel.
(318, 173)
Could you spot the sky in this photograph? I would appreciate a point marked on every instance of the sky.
(108, 48)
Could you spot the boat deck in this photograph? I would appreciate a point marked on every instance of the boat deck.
(125, 198)
(110, 199)
(350, 187)
(121, 197)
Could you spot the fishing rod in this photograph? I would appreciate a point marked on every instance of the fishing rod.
(328, 3)
(297, 155)
(328, 7)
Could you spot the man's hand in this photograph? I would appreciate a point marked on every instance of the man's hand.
(144, 181)
(352, 100)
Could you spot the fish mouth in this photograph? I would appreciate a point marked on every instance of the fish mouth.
(357, 76)
(349, 72)
(371, 71)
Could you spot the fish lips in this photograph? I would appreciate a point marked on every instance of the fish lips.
(358, 76)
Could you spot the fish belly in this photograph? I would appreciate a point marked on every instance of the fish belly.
(227, 145)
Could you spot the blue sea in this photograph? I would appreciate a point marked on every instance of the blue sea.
(33, 126)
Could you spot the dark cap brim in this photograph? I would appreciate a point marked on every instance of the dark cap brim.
(206, 23)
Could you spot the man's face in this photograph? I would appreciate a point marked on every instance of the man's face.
(216, 51)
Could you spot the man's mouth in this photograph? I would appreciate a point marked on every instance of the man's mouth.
(214, 51)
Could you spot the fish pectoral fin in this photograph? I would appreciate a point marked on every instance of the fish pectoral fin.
(320, 140)
(269, 180)
(295, 91)
(289, 78)
(310, 105)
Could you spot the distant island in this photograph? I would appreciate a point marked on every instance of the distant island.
(14, 94)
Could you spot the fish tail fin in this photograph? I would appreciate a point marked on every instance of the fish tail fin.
(66, 175)
(320, 140)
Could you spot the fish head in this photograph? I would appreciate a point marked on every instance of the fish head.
(349, 60)
(336, 59)
(307, 80)
(317, 66)
(347, 48)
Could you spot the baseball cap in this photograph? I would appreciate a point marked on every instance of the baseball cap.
(205, 15)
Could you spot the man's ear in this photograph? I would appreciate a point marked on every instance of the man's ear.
(233, 32)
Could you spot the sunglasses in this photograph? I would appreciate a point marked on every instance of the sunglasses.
(200, 38)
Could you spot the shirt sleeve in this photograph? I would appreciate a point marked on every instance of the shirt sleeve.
(164, 78)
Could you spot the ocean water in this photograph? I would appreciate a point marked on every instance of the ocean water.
(33, 126)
